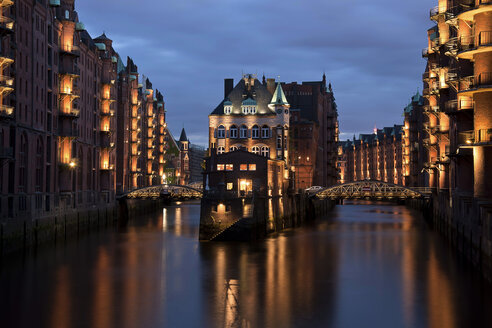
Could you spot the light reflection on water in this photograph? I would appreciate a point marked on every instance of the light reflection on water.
(366, 265)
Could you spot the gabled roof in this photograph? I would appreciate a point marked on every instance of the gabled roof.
(279, 96)
(241, 92)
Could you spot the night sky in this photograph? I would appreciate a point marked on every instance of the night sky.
(370, 51)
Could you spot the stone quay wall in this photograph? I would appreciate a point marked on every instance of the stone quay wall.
(242, 219)
(466, 222)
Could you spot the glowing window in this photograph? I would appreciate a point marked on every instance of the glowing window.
(252, 167)
(220, 167)
(243, 167)
(229, 167)
(230, 185)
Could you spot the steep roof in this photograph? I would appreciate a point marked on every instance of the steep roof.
(257, 91)
(183, 136)
(279, 96)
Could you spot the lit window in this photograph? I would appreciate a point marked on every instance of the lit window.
(230, 185)
(229, 167)
(220, 167)
(265, 151)
(252, 167)
(243, 167)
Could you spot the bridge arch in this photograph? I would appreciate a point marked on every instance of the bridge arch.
(368, 189)
(169, 190)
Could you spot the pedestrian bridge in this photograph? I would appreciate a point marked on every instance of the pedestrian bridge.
(372, 190)
(168, 191)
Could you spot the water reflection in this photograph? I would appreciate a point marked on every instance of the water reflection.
(367, 265)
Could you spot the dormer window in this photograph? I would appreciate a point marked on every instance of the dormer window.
(248, 106)
(227, 107)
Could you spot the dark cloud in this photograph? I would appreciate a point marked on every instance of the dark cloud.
(370, 50)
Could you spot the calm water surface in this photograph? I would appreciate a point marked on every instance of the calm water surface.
(368, 265)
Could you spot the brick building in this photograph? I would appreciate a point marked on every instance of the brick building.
(76, 127)
(313, 133)
(253, 116)
(376, 156)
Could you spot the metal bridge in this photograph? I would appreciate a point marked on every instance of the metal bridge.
(373, 190)
(168, 191)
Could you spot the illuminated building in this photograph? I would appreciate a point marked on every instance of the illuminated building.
(67, 117)
(376, 156)
(253, 116)
(313, 133)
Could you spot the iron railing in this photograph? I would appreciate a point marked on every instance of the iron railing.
(476, 81)
(475, 137)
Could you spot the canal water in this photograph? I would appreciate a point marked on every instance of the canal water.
(367, 265)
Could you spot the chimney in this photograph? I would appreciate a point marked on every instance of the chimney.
(228, 86)
(271, 86)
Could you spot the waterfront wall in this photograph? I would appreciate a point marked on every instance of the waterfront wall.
(242, 219)
(465, 221)
(27, 233)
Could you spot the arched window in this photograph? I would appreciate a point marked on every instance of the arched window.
(221, 132)
(233, 148)
(265, 151)
(255, 150)
(220, 150)
(23, 163)
(233, 132)
(265, 132)
(39, 165)
(244, 131)
(255, 132)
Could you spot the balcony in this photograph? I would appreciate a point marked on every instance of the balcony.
(6, 25)
(453, 107)
(6, 3)
(428, 143)
(71, 71)
(73, 91)
(70, 50)
(6, 83)
(107, 167)
(55, 3)
(6, 112)
(72, 113)
(434, 13)
(472, 138)
(425, 52)
(106, 143)
(476, 83)
(471, 45)
(473, 8)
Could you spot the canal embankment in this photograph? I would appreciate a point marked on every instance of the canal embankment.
(23, 234)
(465, 222)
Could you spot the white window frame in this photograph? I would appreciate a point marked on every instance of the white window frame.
(265, 151)
(255, 132)
(256, 150)
(265, 132)
(220, 150)
(221, 131)
(243, 132)
(233, 132)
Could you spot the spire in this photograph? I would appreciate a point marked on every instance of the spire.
(264, 79)
(279, 96)
(183, 137)
(324, 78)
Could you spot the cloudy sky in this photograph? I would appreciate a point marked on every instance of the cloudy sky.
(370, 51)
